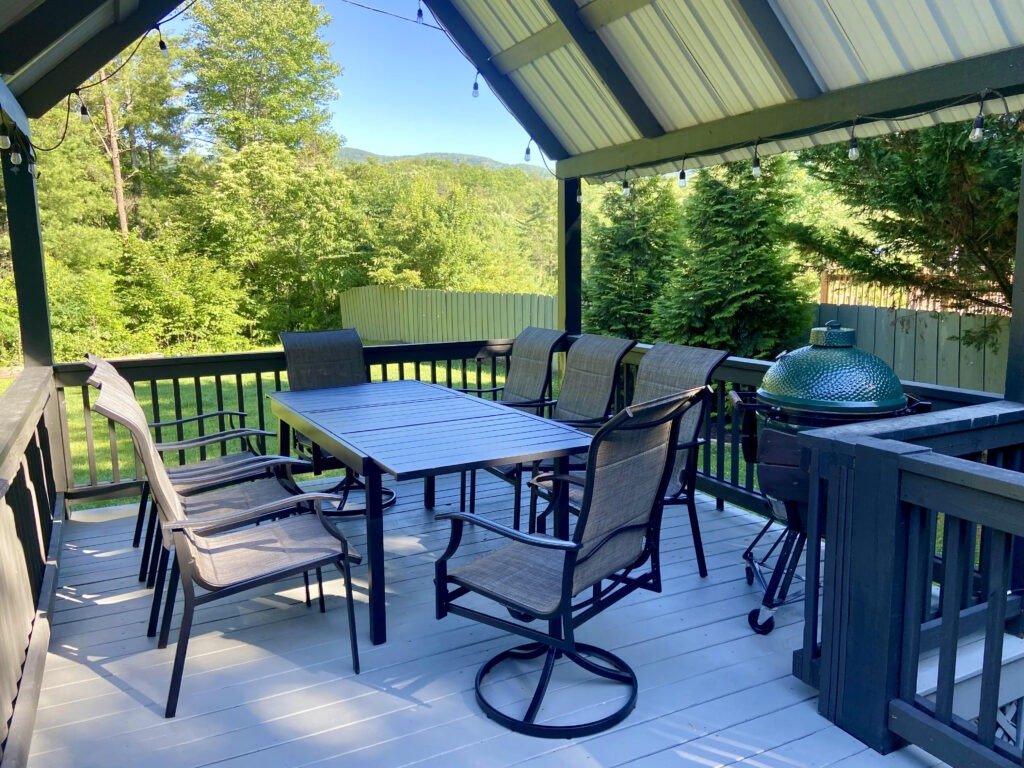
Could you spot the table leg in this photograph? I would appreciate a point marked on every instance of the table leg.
(429, 491)
(284, 438)
(375, 554)
(562, 497)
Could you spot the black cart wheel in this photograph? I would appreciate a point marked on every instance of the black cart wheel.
(758, 627)
(750, 576)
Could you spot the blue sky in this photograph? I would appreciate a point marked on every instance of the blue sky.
(406, 89)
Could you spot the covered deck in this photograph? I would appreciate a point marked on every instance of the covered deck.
(269, 681)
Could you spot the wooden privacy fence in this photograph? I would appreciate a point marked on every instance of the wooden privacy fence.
(925, 346)
(383, 314)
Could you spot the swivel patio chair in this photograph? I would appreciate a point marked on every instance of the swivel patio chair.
(527, 385)
(320, 360)
(249, 462)
(613, 551)
(223, 552)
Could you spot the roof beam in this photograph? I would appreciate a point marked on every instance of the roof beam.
(536, 46)
(63, 78)
(475, 49)
(601, 13)
(919, 91)
(767, 26)
(38, 30)
(608, 69)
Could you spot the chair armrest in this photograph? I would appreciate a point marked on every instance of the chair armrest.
(212, 414)
(530, 403)
(217, 437)
(597, 422)
(200, 481)
(536, 540)
(242, 517)
(691, 444)
(552, 477)
(478, 390)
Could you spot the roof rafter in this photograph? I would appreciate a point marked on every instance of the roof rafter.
(36, 31)
(768, 27)
(608, 69)
(893, 97)
(471, 44)
(63, 78)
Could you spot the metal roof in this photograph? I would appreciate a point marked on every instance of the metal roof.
(613, 88)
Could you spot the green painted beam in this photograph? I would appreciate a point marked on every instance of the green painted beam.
(12, 113)
(893, 97)
(39, 29)
(536, 46)
(570, 257)
(79, 64)
(768, 28)
(27, 256)
(600, 13)
(466, 38)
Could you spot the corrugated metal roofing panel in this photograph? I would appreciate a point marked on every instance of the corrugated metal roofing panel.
(501, 24)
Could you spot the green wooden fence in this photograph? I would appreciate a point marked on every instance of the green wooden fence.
(384, 315)
(925, 346)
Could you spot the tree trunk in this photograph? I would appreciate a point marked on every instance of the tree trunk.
(115, 159)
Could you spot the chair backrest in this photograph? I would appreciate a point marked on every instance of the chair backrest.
(120, 405)
(668, 368)
(529, 369)
(319, 359)
(591, 370)
(627, 471)
(104, 373)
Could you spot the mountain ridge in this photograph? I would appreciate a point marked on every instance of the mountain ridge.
(356, 155)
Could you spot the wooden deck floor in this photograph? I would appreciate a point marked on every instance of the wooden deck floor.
(269, 682)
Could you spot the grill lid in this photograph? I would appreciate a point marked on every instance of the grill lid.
(832, 376)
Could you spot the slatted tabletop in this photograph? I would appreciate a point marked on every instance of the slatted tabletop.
(410, 430)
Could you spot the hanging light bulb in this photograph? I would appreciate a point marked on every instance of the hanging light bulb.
(755, 169)
(419, 12)
(854, 153)
(83, 111)
(526, 154)
(15, 157)
(579, 195)
(5, 137)
(32, 165)
(162, 45)
(978, 131)
(476, 86)
(682, 172)
(625, 188)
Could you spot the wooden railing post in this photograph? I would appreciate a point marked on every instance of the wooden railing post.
(864, 574)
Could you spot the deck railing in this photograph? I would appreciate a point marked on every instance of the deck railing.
(922, 519)
(31, 510)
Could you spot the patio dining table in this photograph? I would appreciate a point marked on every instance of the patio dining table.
(412, 429)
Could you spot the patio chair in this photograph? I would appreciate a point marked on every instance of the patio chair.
(527, 385)
(613, 552)
(250, 461)
(222, 552)
(319, 360)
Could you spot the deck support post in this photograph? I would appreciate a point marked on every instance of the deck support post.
(570, 256)
(1014, 389)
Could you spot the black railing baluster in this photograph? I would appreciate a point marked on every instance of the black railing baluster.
(197, 384)
(954, 544)
(260, 410)
(222, 422)
(998, 578)
(180, 430)
(919, 560)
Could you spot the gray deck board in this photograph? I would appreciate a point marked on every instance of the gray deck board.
(269, 682)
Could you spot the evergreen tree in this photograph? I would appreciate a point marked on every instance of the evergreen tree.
(632, 251)
(734, 287)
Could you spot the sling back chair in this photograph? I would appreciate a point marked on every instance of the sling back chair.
(612, 552)
(208, 472)
(528, 386)
(665, 369)
(223, 552)
(322, 360)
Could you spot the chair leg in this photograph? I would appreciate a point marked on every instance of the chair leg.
(158, 591)
(172, 592)
(698, 543)
(320, 587)
(462, 491)
(346, 572)
(140, 520)
(157, 544)
(305, 580)
(179, 654)
(472, 492)
(147, 549)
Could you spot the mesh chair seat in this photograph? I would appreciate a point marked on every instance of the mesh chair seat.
(251, 553)
(234, 498)
(212, 462)
(526, 578)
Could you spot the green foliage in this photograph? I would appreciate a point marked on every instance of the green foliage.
(631, 252)
(940, 212)
(734, 286)
(261, 72)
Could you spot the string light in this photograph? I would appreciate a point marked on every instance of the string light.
(625, 188)
(978, 131)
(5, 137)
(476, 85)
(419, 12)
(15, 156)
(161, 44)
(854, 152)
(31, 164)
(526, 154)
(755, 168)
(83, 111)
(579, 195)
(682, 172)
